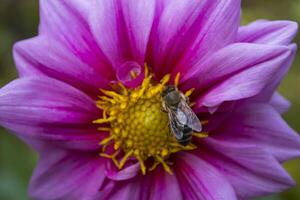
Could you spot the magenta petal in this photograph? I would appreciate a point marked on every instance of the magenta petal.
(261, 125)
(269, 89)
(138, 17)
(186, 31)
(231, 60)
(122, 29)
(45, 56)
(236, 72)
(109, 30)
(252, 171)
(176, 24)
(124, 190)
(67, 23)
(165, 186)
(156, 185)
(124, 74)
(126, 173)
(66, 175)
(217, 26)
(268, 32)
(200, 180)
(47, 109)
(280, 103)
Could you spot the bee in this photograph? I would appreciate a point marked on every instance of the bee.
(182, 120)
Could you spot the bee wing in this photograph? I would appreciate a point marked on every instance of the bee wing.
(186, 115)
(175, 126)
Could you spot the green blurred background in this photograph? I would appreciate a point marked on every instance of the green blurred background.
(19, 20)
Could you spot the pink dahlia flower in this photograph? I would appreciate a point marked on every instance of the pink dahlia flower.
(88, 100)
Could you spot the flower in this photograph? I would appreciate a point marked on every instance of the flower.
(88, 100)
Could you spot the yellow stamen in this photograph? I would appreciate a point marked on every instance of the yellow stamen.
(138, 126)
(117, 145)
(155, 164)
(201, 135)
(124, 159)
(123, 88)
(192, 104)
(165, 79)
(164, 164)
(146, 70)
(105, 98)
(104, 129)
(189, 92)
(113, 157)
(133, 74)
(104, 120)
(177, 78)
(112, 94)
(142, 164)
(204, 122)
(106, 140)
(104, 114)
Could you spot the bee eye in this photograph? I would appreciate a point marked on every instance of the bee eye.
(164, 93)
(171, 88)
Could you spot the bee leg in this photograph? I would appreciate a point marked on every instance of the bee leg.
(187, 99)
(186, 96)
(162, 109)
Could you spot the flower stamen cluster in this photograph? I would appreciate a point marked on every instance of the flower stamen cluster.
(138, 126)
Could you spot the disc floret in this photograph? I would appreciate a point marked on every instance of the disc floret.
(138, 126)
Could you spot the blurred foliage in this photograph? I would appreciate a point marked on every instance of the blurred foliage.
(19, 20)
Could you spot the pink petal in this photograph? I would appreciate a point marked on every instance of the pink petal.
(270, 88)
(155, 185)
(174, 28)
(238, 71)
(165, 186)
(67, 23)
(122, 29)
(124, 74)
(261, 125)
(45, 56)
(66, 175)
(268, 32)
(126, 173)
(216, 27)
(199, 180)
(138, 17)
(252, 171)
(47, 109)
(280, 103)
(271, 32)
(124, 190)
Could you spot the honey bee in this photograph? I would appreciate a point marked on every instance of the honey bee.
(182, 120)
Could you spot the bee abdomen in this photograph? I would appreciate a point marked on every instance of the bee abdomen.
(187, 136)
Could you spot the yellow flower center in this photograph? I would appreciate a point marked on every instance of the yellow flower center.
(138, 126)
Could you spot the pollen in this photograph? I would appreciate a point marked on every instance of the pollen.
(138, 126)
